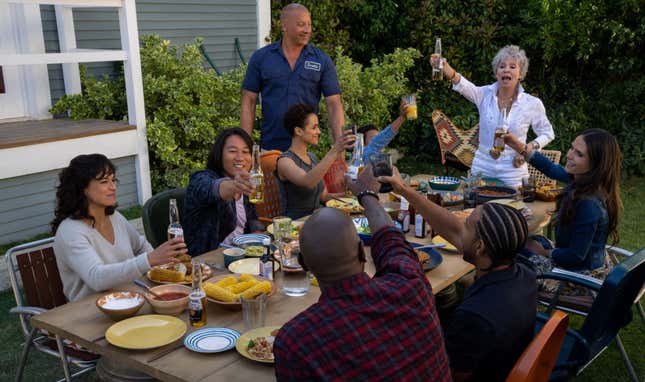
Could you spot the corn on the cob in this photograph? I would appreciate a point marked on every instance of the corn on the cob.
(226, 281)
(218, 293)
(246, 277)
(163, 274)
(241, 287)
(261, 287)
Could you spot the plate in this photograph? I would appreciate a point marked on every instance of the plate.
(145, 332)
(211, 340)
(517, 204)
(250, 238)
(249, 266)
(236, 304)
(490, 181)
(440, 240)
(206, 273)
(435, 257)
(351, 207)
(295, 228)
(242, 343)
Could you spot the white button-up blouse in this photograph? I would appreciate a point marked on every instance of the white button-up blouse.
(527, 112)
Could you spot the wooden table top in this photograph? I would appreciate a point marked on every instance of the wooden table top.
(83, 323)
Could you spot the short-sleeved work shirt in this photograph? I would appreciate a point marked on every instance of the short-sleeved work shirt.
(269, 73)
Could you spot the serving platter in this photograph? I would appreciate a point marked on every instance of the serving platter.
(347, 205)
(235, 304)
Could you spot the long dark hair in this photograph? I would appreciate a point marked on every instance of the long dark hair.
(214, 161)
(602, 179)
(73, 180)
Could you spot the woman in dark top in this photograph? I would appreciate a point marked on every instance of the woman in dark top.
(217, 207)
(301, 175)
(589, 209)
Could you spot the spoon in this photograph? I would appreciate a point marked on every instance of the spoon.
(147, 288)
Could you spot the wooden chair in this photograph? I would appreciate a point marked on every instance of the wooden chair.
(271, 206)
(537, 361)
(554, 156)
(155, 215)
(457, 146)
(42, 289)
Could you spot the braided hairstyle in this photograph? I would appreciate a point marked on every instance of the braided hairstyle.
(503, 230)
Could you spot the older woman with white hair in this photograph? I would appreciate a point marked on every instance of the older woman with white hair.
(503, 102)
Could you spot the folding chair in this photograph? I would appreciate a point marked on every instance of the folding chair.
(536, 362)
(457, 146)
(42, 287)
(155, 215)
(271, 206)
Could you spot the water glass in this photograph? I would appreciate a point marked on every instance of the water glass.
(281, 227)
(254, 311)
(382, 166)
(295, 280)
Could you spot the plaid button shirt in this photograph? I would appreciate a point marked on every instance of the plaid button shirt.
(382, 328)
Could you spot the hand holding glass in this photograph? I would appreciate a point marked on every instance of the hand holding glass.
(382, 166)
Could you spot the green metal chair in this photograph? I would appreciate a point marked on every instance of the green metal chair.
(155, 215)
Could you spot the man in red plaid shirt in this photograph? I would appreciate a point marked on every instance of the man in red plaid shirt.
(381, 328)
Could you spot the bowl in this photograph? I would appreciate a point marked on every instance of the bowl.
(448, 183)
(172, 307)
(120, 305)
(485, 194)
(233, 254)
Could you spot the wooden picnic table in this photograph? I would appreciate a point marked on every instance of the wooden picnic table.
(83, 323)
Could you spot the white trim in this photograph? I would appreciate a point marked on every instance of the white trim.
(24, 160)
(67, 43)
(74, 56)
(73, 3)
(263, 14)
(134, 91)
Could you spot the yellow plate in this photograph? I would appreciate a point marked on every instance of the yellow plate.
(295, 228)
(145, 332)
(249, 266)
(242, 343)
(351, 207)
(440, 240)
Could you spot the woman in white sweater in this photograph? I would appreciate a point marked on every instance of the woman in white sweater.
(96, 248)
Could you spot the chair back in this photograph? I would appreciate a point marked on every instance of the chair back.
(612, 308)
(271, 206)
(462, 144)
(155, 215)
(554, 156)
(537, 361)
(42, 287)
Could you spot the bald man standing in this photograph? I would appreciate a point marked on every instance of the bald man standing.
(288, 72)
(383, 328)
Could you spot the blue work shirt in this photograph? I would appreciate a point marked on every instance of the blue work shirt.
(269, 73)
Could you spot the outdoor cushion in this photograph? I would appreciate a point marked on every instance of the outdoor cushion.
(462, 144)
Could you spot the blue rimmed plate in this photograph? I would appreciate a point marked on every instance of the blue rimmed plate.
(250, 239)
(211, 340)
(435, 258)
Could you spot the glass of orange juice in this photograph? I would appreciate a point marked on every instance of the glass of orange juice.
(411, 112)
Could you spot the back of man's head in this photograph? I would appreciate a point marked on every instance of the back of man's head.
(330, 246)
(503, 230)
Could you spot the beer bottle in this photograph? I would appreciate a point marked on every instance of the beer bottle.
(197, 298)
(257, 178)
(498, 142)
(174, 228)
(437, 72)
(267, 270)
(404, 215)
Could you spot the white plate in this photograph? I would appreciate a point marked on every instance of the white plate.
(250, 238)
(249, 266)
(211, 340)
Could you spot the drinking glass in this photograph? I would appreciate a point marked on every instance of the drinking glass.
(254, 311)
(411, 112)
(382, 166)
(281, 227)
(295, 280)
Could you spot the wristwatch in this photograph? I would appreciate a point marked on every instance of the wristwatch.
(363, 193)
(536, 146)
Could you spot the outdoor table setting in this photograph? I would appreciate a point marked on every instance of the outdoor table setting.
(159, 340)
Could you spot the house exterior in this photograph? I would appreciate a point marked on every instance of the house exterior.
(41, 44)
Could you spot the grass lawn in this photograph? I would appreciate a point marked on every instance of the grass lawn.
(608, 367)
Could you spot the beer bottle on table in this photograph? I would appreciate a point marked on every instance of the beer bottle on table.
(257, 178)
(174, 228)
(197, 298)
(267, 270)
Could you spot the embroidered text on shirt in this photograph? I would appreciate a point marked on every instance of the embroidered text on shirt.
(312, 65)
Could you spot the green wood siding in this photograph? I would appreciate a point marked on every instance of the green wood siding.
(218, 22)
(28, 201)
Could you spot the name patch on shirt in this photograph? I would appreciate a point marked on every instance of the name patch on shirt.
(312, 65)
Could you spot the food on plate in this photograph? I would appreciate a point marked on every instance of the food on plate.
(165, 273)
(261, 348)
(184, 258)
(423, 257)
(254, 251)
(547, 193)
(230, 288)
(492, 193)
(347, 205)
